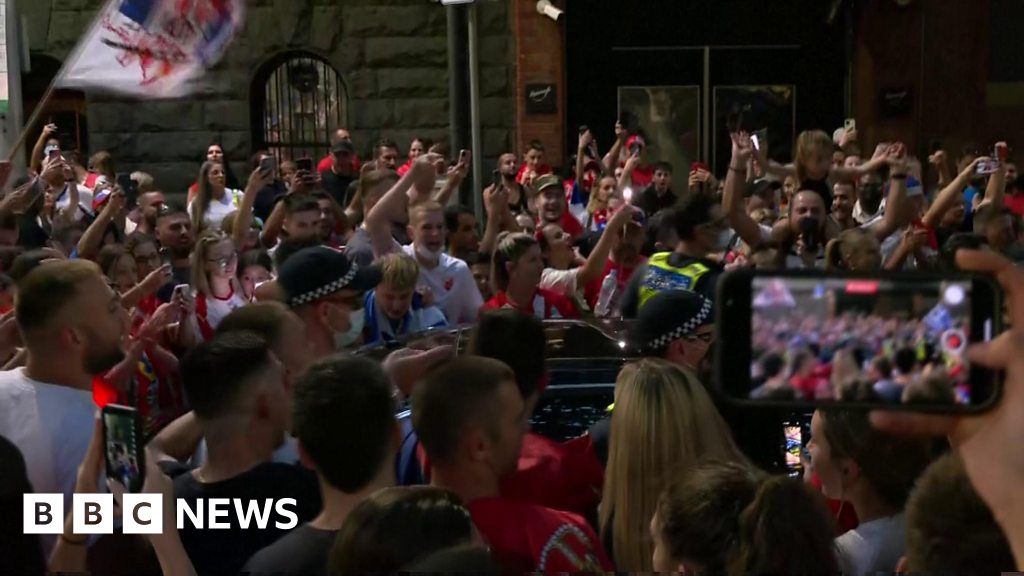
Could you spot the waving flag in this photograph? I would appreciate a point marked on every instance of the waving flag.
(152, 48)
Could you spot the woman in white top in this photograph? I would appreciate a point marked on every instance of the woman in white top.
(565, 272)
(214, 200)
(216, 290)
(873, 472)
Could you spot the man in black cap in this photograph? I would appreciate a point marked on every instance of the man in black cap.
(336, 180)
(677, 325)
(326, 290)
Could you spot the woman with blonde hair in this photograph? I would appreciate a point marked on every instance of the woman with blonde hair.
(216, 291)
(214, 200)
(664, 424)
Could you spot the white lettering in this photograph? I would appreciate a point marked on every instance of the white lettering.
(262, 516)
(218, 509)
(282, 511)
(540, 95)
(195, 517)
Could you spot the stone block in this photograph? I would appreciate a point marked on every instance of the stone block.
(171, 146)
(349, 54)
(174, 178)
(373, 114)
(421, 19)
(496, 112)
(406, 52)
(421, 112)
(110, 117)
(494, 81)
(120, 144)
(66, 28)
(326, 32)
(496, 141)
(493, 18)
(495, 50)
(362, 84)
(412, 82)
(169, 115)
(225, 115)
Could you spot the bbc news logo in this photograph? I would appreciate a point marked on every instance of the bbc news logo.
(144, 514)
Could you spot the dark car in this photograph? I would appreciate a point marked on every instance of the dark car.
(583, 360)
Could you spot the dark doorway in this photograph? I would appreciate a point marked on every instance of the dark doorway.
(710, 44)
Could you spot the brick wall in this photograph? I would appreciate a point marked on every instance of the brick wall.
(392, 55)
(540, 58)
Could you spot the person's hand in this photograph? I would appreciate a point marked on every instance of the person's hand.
(620, 132)
(115, 202)
(585, 139)
(972, 168)
(621, 217)
(155, 279)
(19, 200)
(915, 239)
(49, 130)
(406, 367)
(632, 162)
(742, 147)
(426, 296)
(184, 300)
(848, 137)
(989, 443)
(155, 325)
(739, 262)
(53, 172)
(258, 180)
(495, 200)
(89, 471)
(938, 158)
(427, 165)
(896, 158)
(457, 173)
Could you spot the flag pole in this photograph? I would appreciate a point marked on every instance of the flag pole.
(36, 113)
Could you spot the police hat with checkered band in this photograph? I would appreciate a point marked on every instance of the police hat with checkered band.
(669, 316)
(315, 273)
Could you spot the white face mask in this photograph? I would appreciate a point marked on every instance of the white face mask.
(426, 254)
(356, 321)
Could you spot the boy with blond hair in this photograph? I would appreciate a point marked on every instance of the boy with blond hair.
(395, 308)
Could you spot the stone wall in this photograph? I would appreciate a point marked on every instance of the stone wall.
(392, 55)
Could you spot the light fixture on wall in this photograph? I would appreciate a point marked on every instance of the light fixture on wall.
(548, 9)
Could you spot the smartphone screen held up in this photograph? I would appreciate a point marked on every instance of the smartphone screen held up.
(807, 339)
(123, 446)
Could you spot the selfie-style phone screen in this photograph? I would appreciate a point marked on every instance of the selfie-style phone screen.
(796, 432)
(860, 340)
(122, 446)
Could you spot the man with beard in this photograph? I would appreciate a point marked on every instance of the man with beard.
(624, 259)
(176, 238)
(549, 205)
(73, 327)
(150, 205)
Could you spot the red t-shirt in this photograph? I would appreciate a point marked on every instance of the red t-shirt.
(524, 537)
(593, 289)
(541, 170)
(642, 177)
(546, 305)
(326, 162)
(1015, 202)
(156, 392)
(556, 476)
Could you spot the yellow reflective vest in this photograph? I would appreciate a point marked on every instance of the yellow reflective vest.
(661, 276)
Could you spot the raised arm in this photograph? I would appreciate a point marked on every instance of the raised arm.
(611, 159)
(611, 236)
(946, 198)
(36, 161)
(996, 189)
(91, 242)
(877, 161)
(626, 180)
(939, 161)
(243, 218)
(393, 206)
(581, 153)
(456, 174)
(732, 195)
(769, 166)
(896, 207)
(496, 203)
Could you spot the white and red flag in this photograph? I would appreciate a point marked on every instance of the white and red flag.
(152, 48)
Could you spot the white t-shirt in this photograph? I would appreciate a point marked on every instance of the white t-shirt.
(84, 201)
(873, 547)
(454, 289)
(561, 282)
(218, 209)
(51, 425)
(210, 310)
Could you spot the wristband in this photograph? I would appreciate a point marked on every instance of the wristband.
(740, 170)
(898, 176)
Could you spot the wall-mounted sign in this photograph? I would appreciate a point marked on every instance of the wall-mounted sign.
(541, 99)
(895, 102)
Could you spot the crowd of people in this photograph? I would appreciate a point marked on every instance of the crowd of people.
(230, 317)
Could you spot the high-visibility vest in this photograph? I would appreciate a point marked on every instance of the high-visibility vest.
(661, 276)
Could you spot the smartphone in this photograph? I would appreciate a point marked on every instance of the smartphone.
(806, 339)
(850, 124)
(130, 189)
(52, 152)
(181, 290)
(268, 164)
(584, 128)
(986, 167)
(496, 179)
(464, 156)
(796, 433)
(123, 446)
(759, 138)
(304, 164)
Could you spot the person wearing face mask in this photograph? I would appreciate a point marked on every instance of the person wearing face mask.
(700, 225)
(327, 290)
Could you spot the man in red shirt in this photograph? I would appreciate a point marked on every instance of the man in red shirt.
(549, 205)
(534, 166)
(470, 418)
(327, 161)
